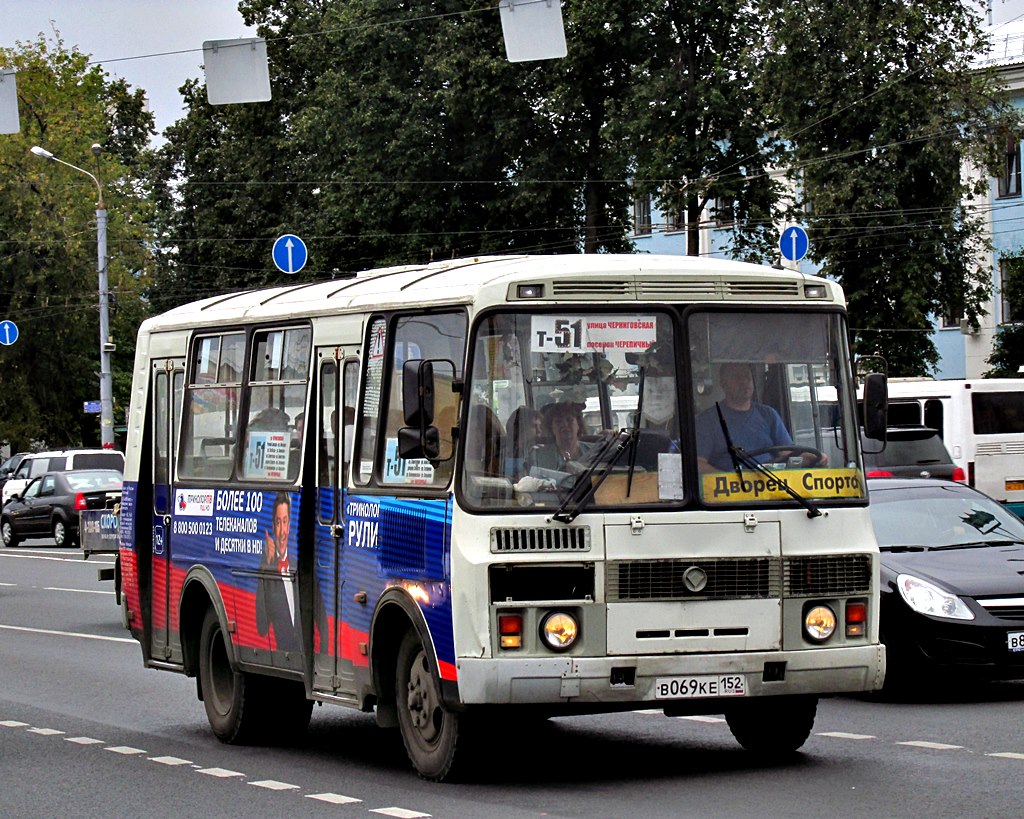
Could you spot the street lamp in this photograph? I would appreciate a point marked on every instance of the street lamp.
(106, 346)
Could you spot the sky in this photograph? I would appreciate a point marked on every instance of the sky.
(112, 30)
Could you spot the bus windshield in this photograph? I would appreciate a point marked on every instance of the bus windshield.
(603, 407)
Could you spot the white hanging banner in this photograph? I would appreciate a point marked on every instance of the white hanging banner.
(9, 122)
(532, 30)
(236, 71)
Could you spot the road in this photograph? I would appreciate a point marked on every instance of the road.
(85, 730)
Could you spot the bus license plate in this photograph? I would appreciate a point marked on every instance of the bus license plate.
(1015, 640)
(674, 688)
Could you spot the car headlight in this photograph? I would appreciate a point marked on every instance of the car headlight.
(559, 630)
(819, 623)
(927, 598)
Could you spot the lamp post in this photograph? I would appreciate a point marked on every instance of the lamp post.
(106, 346)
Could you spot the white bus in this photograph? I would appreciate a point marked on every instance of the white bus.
(981, 422)
(328, 498)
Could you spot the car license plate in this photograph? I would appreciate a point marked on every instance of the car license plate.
(1015, 640)
(675, 688)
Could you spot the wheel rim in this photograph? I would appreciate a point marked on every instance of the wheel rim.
(422, 700)
(58, 532)
(6, 533)
(221, 678)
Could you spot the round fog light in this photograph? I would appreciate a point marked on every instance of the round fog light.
(559, 630)
(819, 623)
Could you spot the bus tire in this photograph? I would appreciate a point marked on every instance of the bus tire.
(772, 725)
(228, 695)
(429, 731)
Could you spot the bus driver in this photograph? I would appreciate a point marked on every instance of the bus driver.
(751, 426)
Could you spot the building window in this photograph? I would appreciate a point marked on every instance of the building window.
(1009, 182)
(675, 221)
(950, 318)
(1009, 275)
(642, 215)
(723, 211)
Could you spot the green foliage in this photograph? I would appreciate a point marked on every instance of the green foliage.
(48, 261)
(701, 133)
(882, 108)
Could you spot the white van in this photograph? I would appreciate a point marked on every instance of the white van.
(36, 463)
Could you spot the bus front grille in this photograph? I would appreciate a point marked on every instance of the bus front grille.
(737, 578)
(693, 579)
(822, 576)
(565, 539)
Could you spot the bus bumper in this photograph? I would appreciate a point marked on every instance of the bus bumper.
(621, 680)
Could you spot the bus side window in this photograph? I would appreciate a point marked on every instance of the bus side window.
(210, 417)
(933, 415)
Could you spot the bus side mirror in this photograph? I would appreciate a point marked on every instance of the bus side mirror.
(418, 392)
(876, 404)
(421, 439)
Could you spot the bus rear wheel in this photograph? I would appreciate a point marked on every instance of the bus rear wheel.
(227, 694)
(772, 725)
(429, 731)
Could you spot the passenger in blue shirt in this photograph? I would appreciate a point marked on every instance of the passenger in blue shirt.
(752, 426)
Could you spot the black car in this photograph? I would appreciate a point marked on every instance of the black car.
(910, 452)
(952, 582)
(49, 504)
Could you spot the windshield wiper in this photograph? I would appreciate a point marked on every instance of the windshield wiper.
(977, 544)
(740, 458)
(902, 547)
(584, 488)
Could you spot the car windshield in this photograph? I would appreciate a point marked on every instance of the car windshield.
(588, 405)
(939, 516)
(908, 448)
(94, 480)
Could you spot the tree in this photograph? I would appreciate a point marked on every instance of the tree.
(48, 263)
(883, 109)
(701, 136)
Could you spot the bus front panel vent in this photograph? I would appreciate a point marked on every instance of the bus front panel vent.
(538, 539)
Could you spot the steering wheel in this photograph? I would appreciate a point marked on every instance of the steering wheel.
(793, 449)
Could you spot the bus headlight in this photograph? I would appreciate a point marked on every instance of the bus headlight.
(559, 630)
(819, 623)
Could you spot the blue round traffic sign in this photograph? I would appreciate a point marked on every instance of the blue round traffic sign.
(8, 332)
(289, 253)
(793, 243)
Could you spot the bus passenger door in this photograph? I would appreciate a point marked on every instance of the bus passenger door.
(335, 404)
(167, 386)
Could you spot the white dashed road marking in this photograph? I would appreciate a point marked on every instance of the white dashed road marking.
(400, 813)
(844, 735)
(46, 732)
(1007, 755)
(13, 723)
(709, 720)
(83, 740)
(221, 773)
(125, 750)
(274, 785)
(333, 798)
(131, 640)
(79, 591)
(934, 746)
(170, 760)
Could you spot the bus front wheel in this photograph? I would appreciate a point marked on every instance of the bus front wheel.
(772, 724)
(429, 731)
(226, 694)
